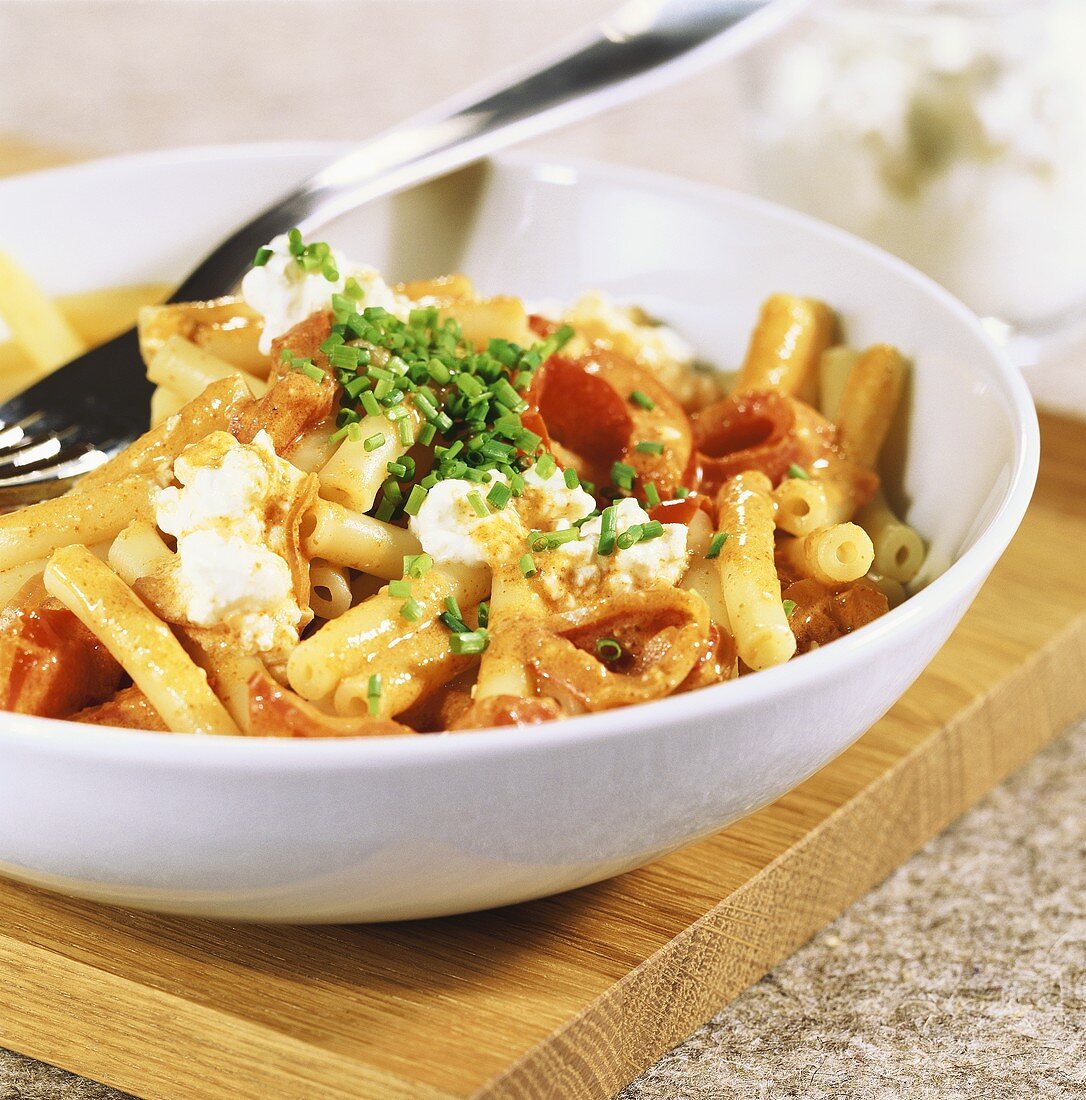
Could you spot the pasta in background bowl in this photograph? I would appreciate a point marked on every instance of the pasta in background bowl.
(382, 827)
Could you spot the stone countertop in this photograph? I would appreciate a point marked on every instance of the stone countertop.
(963, 975)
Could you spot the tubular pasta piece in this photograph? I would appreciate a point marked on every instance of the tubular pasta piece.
(515, 612)
(276, 711)
(833, 370)
(748, 577)
(152, 455)
(353, 476)
(15, 578)
(80, 516)
(227, 327)
(142, 644)
(868, 404)
(188, 370)
(423, 663)
(347, 537)
(785, 347)
(899, 550)
(365, 637)
(164, 404)
(484, 319)
(36, 322)
(830, 555)
(329, 589)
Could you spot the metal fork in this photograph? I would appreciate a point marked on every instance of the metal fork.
(91, 408)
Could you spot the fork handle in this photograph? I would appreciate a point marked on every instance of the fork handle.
(644, 45)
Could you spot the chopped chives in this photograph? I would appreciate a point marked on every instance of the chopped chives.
(469, 642)
(354, 432)
(545, 465)
(609, 649)
(608, 526)
(373, 694)
(638, 397)
(789, 606)
(652, 495)
(263, 255)
(571, 479)
(527, 566)
(482, 613)
(415, 499)
(372, 442)
(798, 472)
(417, 565)
(411, 610)
(650, 447)
(400, 589)
(499, 495)
(682, 492)
(630, 537)
(478, 504)
(385, 510)
(403, 428)
(426, 434)
(651, 530)
(538, 540)
(369, 403)
(396, 469)
(310, 371)
(623, 475)
(716, 544)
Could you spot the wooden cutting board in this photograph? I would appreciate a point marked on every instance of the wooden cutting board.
(571, 996)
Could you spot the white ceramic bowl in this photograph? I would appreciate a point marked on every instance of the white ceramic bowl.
(384, 828)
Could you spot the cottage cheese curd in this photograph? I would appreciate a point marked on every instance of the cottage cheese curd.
(284, 294)
(231, 543)
(451, 531)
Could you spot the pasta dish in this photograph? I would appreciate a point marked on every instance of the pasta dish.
(365, 508)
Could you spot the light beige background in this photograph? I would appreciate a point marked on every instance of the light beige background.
(964, 976)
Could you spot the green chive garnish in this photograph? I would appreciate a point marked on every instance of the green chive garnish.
(499, 496)
(400, 589)
(798, 471)
(609, 649)
(630, 537)
(478, 504)
(642, 399)
(263, 255)
(716, 544)
(789, 606)
(571, 479)
(482, 613)
(372, 442)
(527, 566)
(417, 565)
(608, 528)
(373, 694)
(652, 495)
(415, 499)
(411, 610)
(650, 447)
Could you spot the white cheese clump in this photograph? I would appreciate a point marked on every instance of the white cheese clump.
(451, 531)
(285, 294)
(229, 572)
(660, 561)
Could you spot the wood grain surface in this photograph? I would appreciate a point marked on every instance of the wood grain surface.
(574, 995)
(570, 996)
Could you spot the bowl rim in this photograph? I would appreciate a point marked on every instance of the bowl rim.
(61, 737)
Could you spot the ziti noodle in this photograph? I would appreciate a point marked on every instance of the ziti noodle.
(371, 509)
